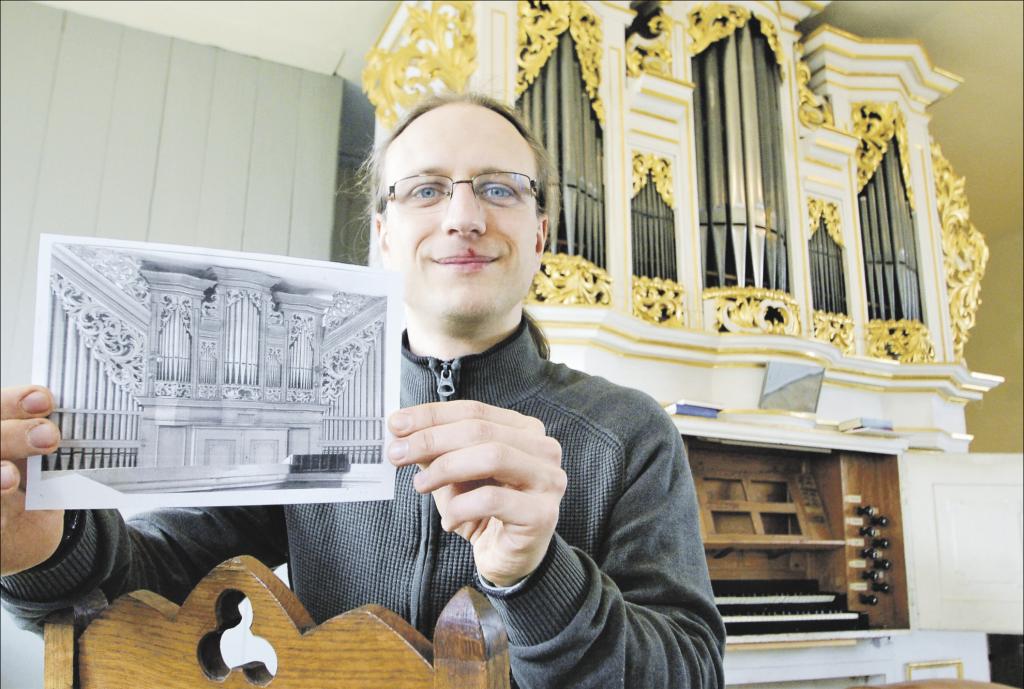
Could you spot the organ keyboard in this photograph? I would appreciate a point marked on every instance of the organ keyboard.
(801, 541)
(782, 607)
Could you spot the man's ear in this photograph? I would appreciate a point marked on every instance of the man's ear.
(542, 235)
(380, 231)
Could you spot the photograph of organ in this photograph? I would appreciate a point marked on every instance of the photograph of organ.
(162, 366)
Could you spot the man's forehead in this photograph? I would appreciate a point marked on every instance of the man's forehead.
(459, 138)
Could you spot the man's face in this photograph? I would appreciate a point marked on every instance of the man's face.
(466, 263)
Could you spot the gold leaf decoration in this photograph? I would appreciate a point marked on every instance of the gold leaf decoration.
(814, 111)
(660, 169)
(964, 251)
(658, 301)
(565, 279)
(651, 56)
(835, 329)
(876, 124)
(752, 310)
(435, 51)
(539, 26)
(585, 29)
(906, 341)
(713, 22)
(818, 209)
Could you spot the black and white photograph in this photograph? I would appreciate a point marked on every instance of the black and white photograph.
(196, 377)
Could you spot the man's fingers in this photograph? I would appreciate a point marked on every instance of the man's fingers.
(10, 476)
(413, 419)
(511, 506)
(25, 402)
(494, 463)
(24, 438)
(429, 443)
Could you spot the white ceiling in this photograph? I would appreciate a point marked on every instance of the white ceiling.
(323, 37)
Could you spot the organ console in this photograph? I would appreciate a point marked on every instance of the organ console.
(801, 541)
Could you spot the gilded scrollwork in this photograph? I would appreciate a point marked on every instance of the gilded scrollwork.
(539, 26)
(435, 48)
(233, 296)
(964, 251)
(658, 301)
(814, 111)
(340, 365)
(659, 169)
(818, 209)
(301, 396)
(567, 280)
(164, 388)
(207, 392)
(752, 310)
(343, 307)
(651, 56)
(877, 124)
(118, 346)
(300, 326)
(715, 21)
(211, 305)
(835, 329)
(121, 269)
(170, 305)
(247, 393)
(906, 341)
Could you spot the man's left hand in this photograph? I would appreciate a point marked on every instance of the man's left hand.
(495, 475)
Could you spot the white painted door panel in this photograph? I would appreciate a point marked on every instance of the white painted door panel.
(964, 528)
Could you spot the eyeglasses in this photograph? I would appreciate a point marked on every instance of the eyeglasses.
(422, 193)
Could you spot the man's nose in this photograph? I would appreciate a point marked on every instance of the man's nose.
(465, 212)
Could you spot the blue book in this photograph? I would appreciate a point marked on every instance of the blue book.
(685, 408)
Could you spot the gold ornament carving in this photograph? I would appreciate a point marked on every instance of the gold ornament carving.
(658, 301)
(818, 209)
(906, 341)
(565, 279)
(876, 124)
(653, 56)
(964, 251)
(814, 111)
(752, 310)
(435, 51)
(540, 25)
(714, 22)
(659, 169)
(835, 329)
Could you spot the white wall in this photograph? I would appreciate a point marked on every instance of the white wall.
(113, 132)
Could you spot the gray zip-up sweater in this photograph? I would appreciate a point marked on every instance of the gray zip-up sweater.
(622, 598)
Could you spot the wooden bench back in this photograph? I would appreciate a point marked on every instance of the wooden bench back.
(144, 641)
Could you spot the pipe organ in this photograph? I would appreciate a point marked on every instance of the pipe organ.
(765, 196)
(159, 365)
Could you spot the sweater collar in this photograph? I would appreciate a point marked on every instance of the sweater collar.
(499, 376)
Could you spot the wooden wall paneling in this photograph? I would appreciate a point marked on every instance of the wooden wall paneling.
(72, 156)
(316, 161)
(229, 145)
(126, 191)
(182, 147)
(30, 38)
(272, 166)
(77, 129)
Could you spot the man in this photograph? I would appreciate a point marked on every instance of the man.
(566, 499)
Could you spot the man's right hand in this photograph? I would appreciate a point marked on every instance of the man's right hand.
(26, 538)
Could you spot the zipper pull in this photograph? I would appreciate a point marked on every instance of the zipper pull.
(446, 373)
